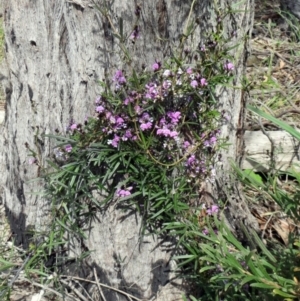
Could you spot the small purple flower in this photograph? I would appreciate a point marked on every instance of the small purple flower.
(173, 134)
(112, 119)
(190, 161)
(127, 101)
(135, 34)
(119, 79)
(124, 192)
(156, 66)
(164, 132)
(114, 142)
(146, 126)
(213, 141)
(32, 161)
(152, 91)
(203, 82)
(98, 99)
(194, 84)
(138, 110)
(205, 231)
(228, 66)
(68, 148)
(174, 116)
(73, 126)
(167, 84)
(213, 210)
(119, 121)
(186, 144)
(100, 109)
(146, 122)
(189, 70)
(127, 135)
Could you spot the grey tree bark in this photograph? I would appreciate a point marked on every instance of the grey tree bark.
(56, 50)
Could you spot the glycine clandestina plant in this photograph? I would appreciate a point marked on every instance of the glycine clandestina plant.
(152, 140)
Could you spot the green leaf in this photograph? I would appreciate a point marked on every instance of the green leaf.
(253, 176)
(263, 248)
(262, 285)
(283, 294)
(276, 121)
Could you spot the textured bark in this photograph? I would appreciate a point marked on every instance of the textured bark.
(55, 53)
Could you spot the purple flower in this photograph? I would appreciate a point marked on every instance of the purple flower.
(190, 161)
(174, 116)
(213, 210)
(119, 79)
(119, 121)
(68, 148)
(152, 91)
(98, 99)
(124, 192)
(126, 101)
(138, 110)
(189, 70)
(173, 134)
(114, 142)
(203, 82)
(32, 161)
(213, 140)
(73, 126)
(127, 135)
(228, 66)
(186, 144)
(112, 119)
(205, 231)
(146, 126)
(167, 84)
(156, 66)
(135, 34)
(164, 132)
(100, 109)
(145, 121)
(194, 84)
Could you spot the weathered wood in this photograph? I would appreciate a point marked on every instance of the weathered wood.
(56, 51)
(258, 151)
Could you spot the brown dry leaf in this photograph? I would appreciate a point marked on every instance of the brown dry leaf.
(281, 64)
(283, 228)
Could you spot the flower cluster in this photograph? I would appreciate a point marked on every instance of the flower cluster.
(167, 115)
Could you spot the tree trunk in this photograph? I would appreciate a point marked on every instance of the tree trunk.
(56, 51)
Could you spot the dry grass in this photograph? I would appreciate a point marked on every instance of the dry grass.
(273, 68)
(273, 73)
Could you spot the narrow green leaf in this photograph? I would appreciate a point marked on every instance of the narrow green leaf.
(276, 121)
(283, 294)
(262, 285)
